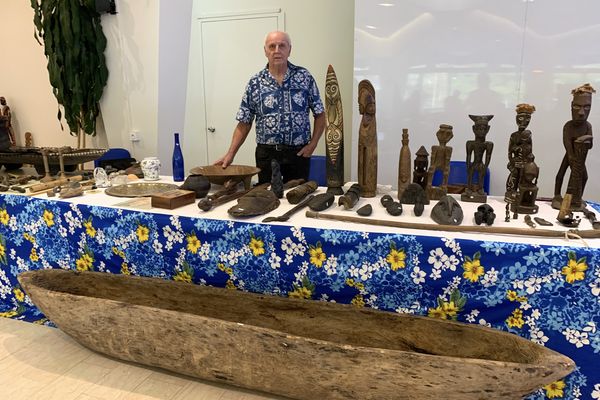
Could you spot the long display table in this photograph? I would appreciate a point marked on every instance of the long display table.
(546, 290)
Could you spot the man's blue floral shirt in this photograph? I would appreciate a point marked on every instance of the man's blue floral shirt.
(281, 111)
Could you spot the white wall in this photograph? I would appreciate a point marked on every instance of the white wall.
(129, 100)
(436, 61)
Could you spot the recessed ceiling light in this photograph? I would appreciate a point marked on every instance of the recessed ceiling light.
(370, 27)
(386, 4)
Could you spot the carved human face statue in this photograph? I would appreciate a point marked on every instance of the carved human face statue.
(523, 120)
(277, 48)
(480, 129)
(581, 106)
(2, 101)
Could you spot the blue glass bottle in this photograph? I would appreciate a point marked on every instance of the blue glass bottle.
(178, 170)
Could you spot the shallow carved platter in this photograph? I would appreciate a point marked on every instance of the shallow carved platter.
(219, 175)
(142, 189)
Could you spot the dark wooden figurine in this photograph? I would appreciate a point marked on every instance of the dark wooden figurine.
(520, 155)
(479, 154)
(334, 134)
(404, 164)
(577, 139)
(420, 167)
(367, 140)
(440, 159)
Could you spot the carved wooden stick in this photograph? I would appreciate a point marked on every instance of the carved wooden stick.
(494, 230)
(211, 201)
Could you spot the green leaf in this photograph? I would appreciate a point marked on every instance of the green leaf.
(572, 255)
(477, 256)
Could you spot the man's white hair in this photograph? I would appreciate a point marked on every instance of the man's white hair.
(288, 39)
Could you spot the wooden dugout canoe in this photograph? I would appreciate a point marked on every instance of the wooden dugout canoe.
(301, 349)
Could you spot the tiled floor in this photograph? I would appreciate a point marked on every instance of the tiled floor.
(41, 363)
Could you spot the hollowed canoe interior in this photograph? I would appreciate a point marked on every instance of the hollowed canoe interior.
(311, 319)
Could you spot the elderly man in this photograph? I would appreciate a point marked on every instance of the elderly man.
(280, 97)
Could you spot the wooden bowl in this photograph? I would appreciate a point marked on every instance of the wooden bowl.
(218, 175)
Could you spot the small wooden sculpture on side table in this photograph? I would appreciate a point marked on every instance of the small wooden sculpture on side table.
(520, 163)
(577, 139)
(479, 154)
(440, 159)
(367, 140)
(420, 167)
(404, 165)
(334, 134)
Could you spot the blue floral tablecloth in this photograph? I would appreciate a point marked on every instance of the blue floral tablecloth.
(548, 294)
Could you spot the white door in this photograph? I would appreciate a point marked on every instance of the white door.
(225, 51)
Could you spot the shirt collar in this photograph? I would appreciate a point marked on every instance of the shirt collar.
(290, 70)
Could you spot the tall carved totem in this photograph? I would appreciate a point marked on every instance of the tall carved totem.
(334, 134)
(367, 140)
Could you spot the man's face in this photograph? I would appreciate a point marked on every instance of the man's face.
(523, 120)
(580, 107)
(277, 49)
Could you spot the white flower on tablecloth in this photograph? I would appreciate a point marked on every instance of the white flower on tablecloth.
(204, 251)
(538, 336)
(288, 259)
(579, 339)
(62, 231)
(365, 271)
(533, 285)
(452, 245)
(353, 271)
(275, 261)
(435, 274)
(12, 254)
(525, 306)
(364, 235)
(100, 236)
(174, 219)
(484, 323)
(157, 246)
(595, 286)
(417, 275)
(490, 278)
(437, 258)
(535, 313)
(232, 257)
(298, 233)
(472, 316)
(331, 265)
(590, 327)
(12, 223)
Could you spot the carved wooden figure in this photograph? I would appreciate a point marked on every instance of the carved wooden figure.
(420, 167)
(577, 139)
(527, 192)
(479, 155)
(520, 153)
(404, 165)
(440, 159)
(367, 140)
(334, 134)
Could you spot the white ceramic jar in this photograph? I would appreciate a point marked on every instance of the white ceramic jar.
(151, 168)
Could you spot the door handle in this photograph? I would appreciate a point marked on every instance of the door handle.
(211, 129)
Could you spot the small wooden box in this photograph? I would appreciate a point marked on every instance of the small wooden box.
(173, 198)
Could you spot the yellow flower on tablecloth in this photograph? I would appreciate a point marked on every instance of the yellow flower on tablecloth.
(450, 309)
(28, 237)
(358, 301)
(142, 233)
(85, 262)
(230, 284)
(8, 314)
(396, 259)
(257, 246)
(4, 217)
(183, 276)
(437, 312)
(125, 268)
(48, 217)
(317, 256)
(575, 268)
(193, 243)
(89, 229)
(473, 269)
(300, 293)
(33, 256)
(516, 319)
(2, 250)
(19, 295)
(511, 295)
(555, 389)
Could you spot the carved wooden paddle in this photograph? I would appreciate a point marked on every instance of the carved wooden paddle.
(291, 212)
